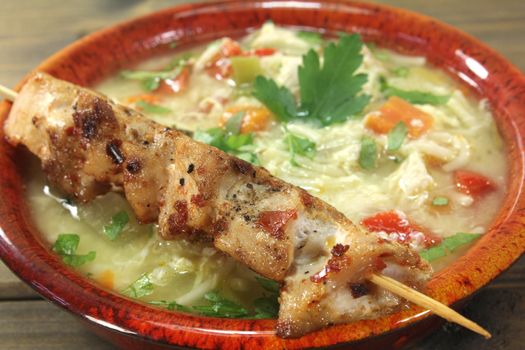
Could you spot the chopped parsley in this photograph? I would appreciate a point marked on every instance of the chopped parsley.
(448, 245)
(140, 288)
(152, 108)
(66, 246)
(267, 306)
(299, 145)
(117, 224)
(368, 153)
(328, 94)
(412, 96)
(440, 201)
(171, 305)
(219, 306)
(229, 139)
(313, 38)
(396, 136)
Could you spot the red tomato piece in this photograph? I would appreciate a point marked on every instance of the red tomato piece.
(266, 51)
(219, 66)
(472, 183)
(274, 222)
(174, 86)
(393, 222)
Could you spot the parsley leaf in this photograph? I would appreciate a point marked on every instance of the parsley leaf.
(269, 285)
(229, 139)
(328, 94)
(219, 306)
(412, 96)
(299, 145)
(268, 305)
(66, 246)
(140, 288)
(368, 153)
(449, 244)
(396, 136)
(277, 99)
(170, 305)
(117, 224)
(152, 108)
(440, 201)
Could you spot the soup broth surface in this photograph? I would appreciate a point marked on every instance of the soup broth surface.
(417, 182)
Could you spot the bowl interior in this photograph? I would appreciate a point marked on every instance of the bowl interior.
(482, 71)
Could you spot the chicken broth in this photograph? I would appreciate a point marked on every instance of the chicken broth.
(420, 163)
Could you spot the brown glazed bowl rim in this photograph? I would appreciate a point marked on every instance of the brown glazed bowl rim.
(483, 71)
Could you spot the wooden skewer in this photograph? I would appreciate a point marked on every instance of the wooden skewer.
(385, 282)
(427, 302)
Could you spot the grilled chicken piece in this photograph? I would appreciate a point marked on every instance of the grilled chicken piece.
(89, 145)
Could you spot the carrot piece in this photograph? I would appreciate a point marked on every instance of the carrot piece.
(107, 279)
(265, 51)
(219, 67)
(472, 183)
(174, 86)
(395, 110)
(150, 98)
(254, 119)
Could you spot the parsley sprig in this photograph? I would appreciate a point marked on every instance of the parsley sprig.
(117, 224)
(66, 246)
(329, 93)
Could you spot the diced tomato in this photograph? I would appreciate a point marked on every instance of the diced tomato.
(266, 51)
(393, 222)
(274, 222)
(472, 183)
(254, 119)
(174, 86)
(395, 110)
(219, 66)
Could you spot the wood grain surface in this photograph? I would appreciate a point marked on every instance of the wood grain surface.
(32, 30)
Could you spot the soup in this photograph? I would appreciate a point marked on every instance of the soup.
(417, 153)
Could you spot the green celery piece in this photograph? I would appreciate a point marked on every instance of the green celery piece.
(396, 136)
(117, 224)
(368, 153)
(412, 96)
(301, 146)
(329, 94)
(144, 74)
(140, 288)
(449, 244)
(245, 69)
(277, 99)
(152, 108)
(459, 239)
(440, 201)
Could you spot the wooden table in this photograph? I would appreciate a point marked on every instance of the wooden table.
(32, 30)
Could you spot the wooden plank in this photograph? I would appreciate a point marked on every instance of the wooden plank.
(38, 325)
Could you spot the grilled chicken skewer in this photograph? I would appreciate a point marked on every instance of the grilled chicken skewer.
(89, 145)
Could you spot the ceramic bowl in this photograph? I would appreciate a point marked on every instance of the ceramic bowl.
(133, 325)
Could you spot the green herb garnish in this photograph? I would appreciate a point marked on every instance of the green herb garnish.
(152, 108)
(66, 246)
(329, 94)
(268, 305)
(299, 145)
(229, 139)
(401, 71)
(412, 96)
(368, 153)
(219, 306)
(117, 224)
(140, 288)
(171, 305)
(396, 136)
(448, 245)
(440, 201)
